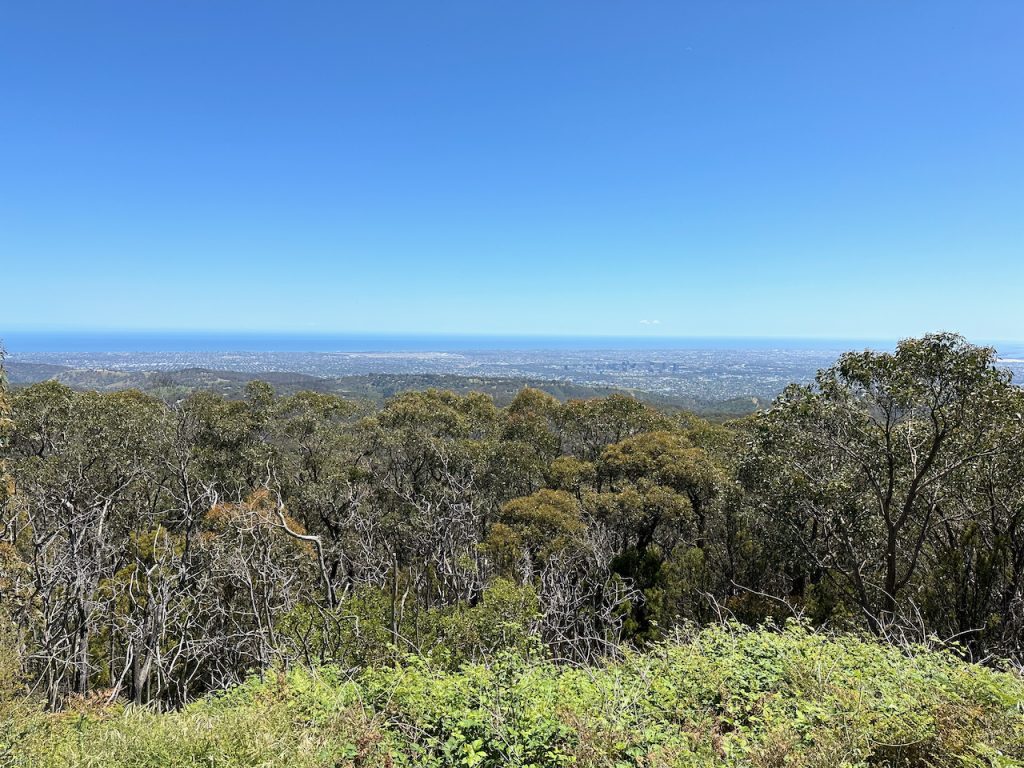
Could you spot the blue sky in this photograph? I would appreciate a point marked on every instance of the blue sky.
(723, 168)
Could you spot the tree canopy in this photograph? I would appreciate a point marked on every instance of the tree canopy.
(157, 551)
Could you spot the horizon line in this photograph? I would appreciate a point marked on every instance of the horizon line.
(213, 332)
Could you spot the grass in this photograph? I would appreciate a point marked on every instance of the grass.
(723, 697)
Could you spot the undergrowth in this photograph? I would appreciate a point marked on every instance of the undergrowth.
(724, 696)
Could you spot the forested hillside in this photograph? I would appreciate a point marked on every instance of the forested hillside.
(172, 385)
(155, 553)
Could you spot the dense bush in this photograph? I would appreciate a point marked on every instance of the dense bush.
(721, 696)
(442, 582)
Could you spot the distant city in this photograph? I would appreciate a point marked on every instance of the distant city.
(710, 369)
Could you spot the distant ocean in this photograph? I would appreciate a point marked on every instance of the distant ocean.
(35, 342)
(28, 342)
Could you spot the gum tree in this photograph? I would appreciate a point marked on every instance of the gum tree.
(862, 466)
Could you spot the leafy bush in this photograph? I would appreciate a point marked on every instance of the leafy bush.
(723, 696)
(359, 634)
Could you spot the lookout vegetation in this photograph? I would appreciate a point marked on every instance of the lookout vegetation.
(303, 580)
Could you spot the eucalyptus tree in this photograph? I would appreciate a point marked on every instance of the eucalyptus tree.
(256, 573)
(529, 440)
(656, 492)
(863, 467)
(587, 426)
(653, 464)
(319, 481)
(547, 542)
(972, 579)
(84, 472)
(6, 427)
(13, 578)
(425, 455)
(232, 449)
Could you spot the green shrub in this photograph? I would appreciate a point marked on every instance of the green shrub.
(723, 696)
(359, 634)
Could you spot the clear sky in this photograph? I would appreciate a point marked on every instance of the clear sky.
(669, 168)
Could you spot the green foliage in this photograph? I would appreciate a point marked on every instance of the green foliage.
(504, 620)
(6, 428)
(724, 696)
(537, 526)
(12, 592)
(161, 551)
(890, 462)
(359, 633)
